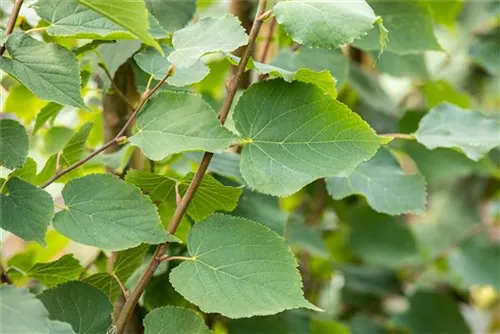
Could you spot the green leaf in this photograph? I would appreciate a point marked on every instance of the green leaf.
(172, 122)
(380, 239)
(316, 59)
(384, 184)
(174, 320)
(327, 24)
(152, 62)
(319, 326)
(208, 35)
(172, 15)
(409, 24)
(440, 312)
(22, 103)
(26, 210)
(27, 172)
(106, 283)
(305, 237)
(115, 54)
(239, 268)
(29, 61)
(86, 308)
(70, 19)
(21, 312)
(128, 261)
(54, 273)
(322, 79)
(158, 187)
(100, 205)
(288, 145)
(3, 38)
(410, 65)
(211, 196)
(74, 149)
(484, 50)
(59, 327)
(445, 13)
(13, 143)
(476, 261)
(49, 112)
(262, 209)
(56, 138)
(441, 91)
(132, 15)
(450, 126)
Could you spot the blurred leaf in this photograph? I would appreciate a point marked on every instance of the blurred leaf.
(484, 50)
(410, 65)
(445, 12)
(172, 15)
(48, 112)
(106, 283)
(319, 326)
(304, 237)
(56, 138)
(22, 103)
(441, 91)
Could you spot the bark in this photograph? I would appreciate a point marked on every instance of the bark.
(242, 9)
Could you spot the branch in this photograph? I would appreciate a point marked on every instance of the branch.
(119, 138)
(398, 136)
(12, 21)
(195, 183)
(113, 83)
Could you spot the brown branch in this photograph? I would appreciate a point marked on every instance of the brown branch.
(195, 183)
(119, 138)
(115, 87)
(12, 21)
(267, 43)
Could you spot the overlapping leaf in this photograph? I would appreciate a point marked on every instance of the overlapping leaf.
(29, 61)
(174, 320)
(297, 134)
(238, 268)
(384, 184)
(13, 143)
(172, 15)
(325, 24)
(104, 211)
(172, 122)
(447, 125)
(152, 62)
(86, 308)
(206, 36)
(25, 210)
(158, 187)
(53, 273)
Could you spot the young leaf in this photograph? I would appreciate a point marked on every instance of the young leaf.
(86, 308)
(25, 210)
(238, 268)
(13, 143)
(317, 59)
(322, 79)
(206, 36)
(172, 15)
(211, 196)
(128, 261)
(450, 126)
(384, 184)
(132, 15)
(21, 312)
(48, 112)
(29, 61)
(106, 283)
(104, 211)
(70, 19)
(152, 62)
(74, 149)
(410, 28)
(326, 24)
(172, 122)
(297, 134)
(484, 50)
(158, 187)
(174, 320)
(54, 273)
(27, 172)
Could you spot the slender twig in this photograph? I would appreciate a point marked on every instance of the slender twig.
(195, 183)
(398, 136)
(12, 21)
(113, 84)
(267, 43)
(120, 284)
(119, 138)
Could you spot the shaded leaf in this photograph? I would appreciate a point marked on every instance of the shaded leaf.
(441, 91)
(74, 149)
(297, 134)
(99, 205)
(23, 103)
(450, 126)
(158, 187)
(304, 237)
(384, 184)
(86, 308)
(326, 24)
(29, 61)
(172, 15)
(174, 320)
(27, 172)
(13, 143)
(239, 268)
(484, 50)
(206, 36)
(172, 122)
(128, 261)
(53, 273)
(49, 112)
(26, 210)
(106, 283)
